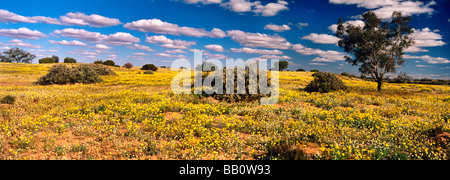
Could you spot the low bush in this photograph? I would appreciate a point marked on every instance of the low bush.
(109, 63)
(128, 65)
(85, 74)
(325, 82)
(149, 67)
(8, 99)
(69, 60)
(46, 60)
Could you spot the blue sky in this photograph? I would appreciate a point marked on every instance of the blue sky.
(160, 31)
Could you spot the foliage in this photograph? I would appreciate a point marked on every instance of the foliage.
(325, 82)
(8, 99)
(128, 65)
(109, 63)
(151, 67)
(282, 65)
(61, 74)
(55, 58)
(46, 60)
(16, 55)
(98, 62)
(300, 70)
(314, 71)
(70, 60)
(378, 47)
(149, 72)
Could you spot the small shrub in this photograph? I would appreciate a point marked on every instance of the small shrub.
(149, 67)
(61, 74)
(98, 62)
(100, 69)
(128, 65)
(69, 60)
(46, 60)
(315, 71)
(300, 70)
(325, 82)
(149, 72)
(8, 99)
(109, 63)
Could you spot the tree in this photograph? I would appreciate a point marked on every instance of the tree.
(46, 60)
(149, 67)
(282, 65)
(55, 58)
(16, 55)
(109, 63)
(300, 70)
(378, 47)
(128, 65)
(69, 60)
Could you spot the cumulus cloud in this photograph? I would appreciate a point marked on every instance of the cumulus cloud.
(68, 43)
(270, 9)
(20, 43)
(121, 38)
(21, 33)
(301, 25)
(161, 27)
(175, 51)
(169, 43)
(321, 38)
(256, 51)
(324, 56)
(429, 59)
(274, 57)
(141, 47)
(277, 28)
(359, 23)
(169, 55)
(81, 34)
(259, 40)
(93, 20)
(102, 47)
(215, 47)
(7, 16)
(385, 8)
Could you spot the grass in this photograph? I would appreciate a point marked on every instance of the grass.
(136, 116)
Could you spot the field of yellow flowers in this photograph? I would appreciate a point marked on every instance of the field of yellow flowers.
(136, 116)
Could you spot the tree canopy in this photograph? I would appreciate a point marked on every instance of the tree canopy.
(378, 47)
(16, 55)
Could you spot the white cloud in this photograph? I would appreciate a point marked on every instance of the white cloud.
(422, 66)
(321, 38)
(7, 16)
(317, 64)
(385, 8)
(169, 55)
(140, 54)
(93, 20)
(215, 47)
(141, 47)
(68, 43)
(324, 56)
(259, 40)
(256, 51)
(270, 9)
(81, 34)
(169, 43)
(175, 51)
(359, 23)
(301, 25)
(21, 33)
(20, 43)
(102, 47)
(203, 1)
(121, 38)
(161, 27)
(215, 56)
(426, 38)
(274, 57)
(277, 28)
(113, 57)
(429, 59)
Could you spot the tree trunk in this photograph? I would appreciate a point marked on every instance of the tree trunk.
(380, 84)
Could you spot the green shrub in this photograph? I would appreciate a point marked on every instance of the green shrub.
(8, 99)
(109, 63)
(61, 74)
(300, 70)
(46, 60)
(235, 97)
(148, 72)
(98, 62)
(69, 60)
(149, 67)
(325, 82)
(315, 71)
(100, 69)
